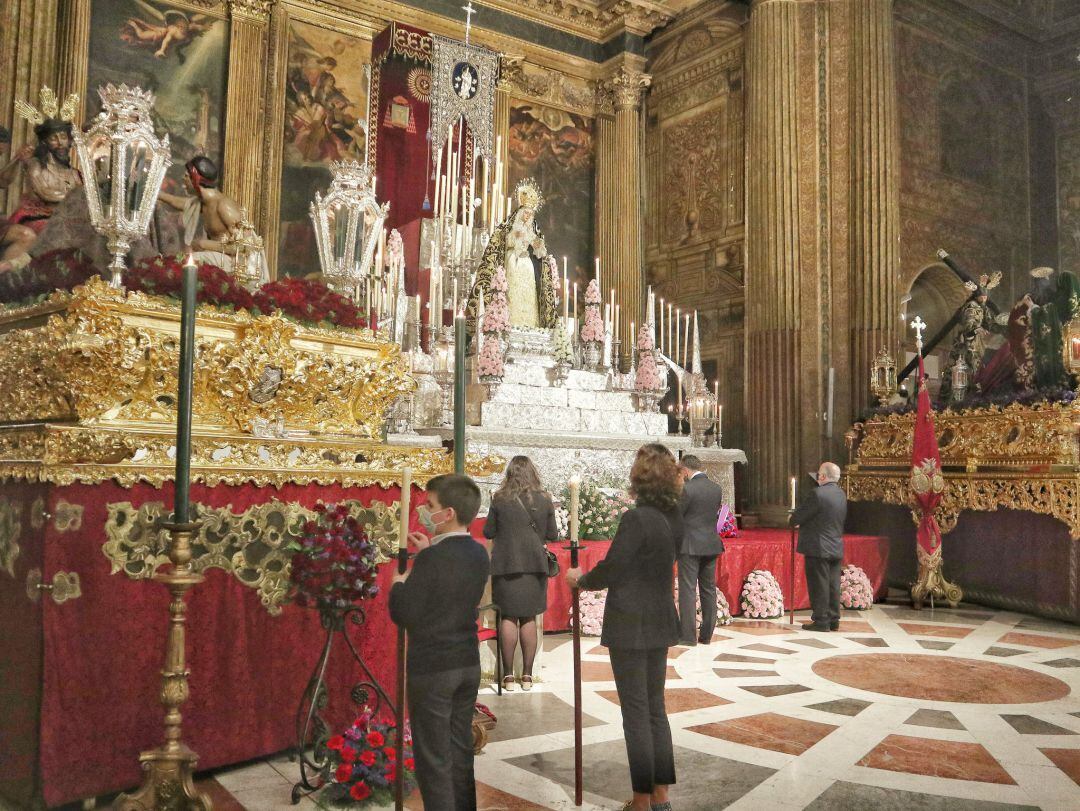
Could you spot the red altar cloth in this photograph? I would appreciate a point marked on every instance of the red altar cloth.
(754, 549)
(79, 682)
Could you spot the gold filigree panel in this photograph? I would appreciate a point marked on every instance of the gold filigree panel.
(10, 531)
(70, 454)
(106, 357)
(1013, 436)
(251, 545)
(1057, 495)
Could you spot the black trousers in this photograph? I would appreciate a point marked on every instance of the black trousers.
(823, 583)
(441, 707)
(639, 680)
(697, 574)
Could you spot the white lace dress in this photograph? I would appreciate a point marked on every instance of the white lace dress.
(520, 278)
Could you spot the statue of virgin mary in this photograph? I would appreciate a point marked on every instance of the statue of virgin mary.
(518, 246)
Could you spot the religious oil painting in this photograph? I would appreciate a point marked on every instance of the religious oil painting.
(178, 53)
(326, 97)
(557, 148)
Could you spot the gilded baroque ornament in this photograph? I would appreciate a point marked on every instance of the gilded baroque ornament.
(101, 358)
(251, 545)
(68, 517)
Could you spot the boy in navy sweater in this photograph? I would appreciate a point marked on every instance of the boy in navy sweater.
(436, 603)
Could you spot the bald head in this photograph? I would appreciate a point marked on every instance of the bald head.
(828, 472)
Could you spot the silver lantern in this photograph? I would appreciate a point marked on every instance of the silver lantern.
(348, 221)
(123, 164)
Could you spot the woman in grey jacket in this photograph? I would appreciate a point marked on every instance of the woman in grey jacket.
(520, 521)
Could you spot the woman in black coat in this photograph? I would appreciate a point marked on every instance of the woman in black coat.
(520, 521)
(640, 620)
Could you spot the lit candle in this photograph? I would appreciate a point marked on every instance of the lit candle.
(575, 299)
(633, 333)
(670, 339)
(575, 489)
(678, 329)
(793, 493)
(406, 496)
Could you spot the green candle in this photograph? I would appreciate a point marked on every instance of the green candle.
(459, 393)
(189, 281)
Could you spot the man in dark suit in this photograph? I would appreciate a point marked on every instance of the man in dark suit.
(820, 519)
(701, 546)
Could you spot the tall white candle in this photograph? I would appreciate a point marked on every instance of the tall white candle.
(598, 285)
(686, 343)
(406, 496)
(678, 329)
(575, 299)
(616, 331)
(660, 346)
(792, 492)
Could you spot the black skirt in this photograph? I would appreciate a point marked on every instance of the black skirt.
(520, 595)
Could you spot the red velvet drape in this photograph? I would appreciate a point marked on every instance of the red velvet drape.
(95, 660)
(755, 549)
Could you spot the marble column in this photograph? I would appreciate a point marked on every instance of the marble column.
(875, 198)
(607, 232)
(822, 229)
(245, 115)
(626, 270)
(773, 247)
(27, 61)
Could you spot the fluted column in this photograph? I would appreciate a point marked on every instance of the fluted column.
(73, 45)
(875, 197)
(607, 232)
(245, 118)
(627, 271)
(29, 53)
(773, 253)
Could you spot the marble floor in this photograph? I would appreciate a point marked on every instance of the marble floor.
(966, 709)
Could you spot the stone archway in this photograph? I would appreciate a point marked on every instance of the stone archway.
(936, 293)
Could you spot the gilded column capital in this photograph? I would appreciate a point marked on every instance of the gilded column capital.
(640, 17)
(257, 11)
(511, 72)
(626, 87)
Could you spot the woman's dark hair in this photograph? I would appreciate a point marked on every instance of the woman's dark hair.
(521, 478)
(654, 478)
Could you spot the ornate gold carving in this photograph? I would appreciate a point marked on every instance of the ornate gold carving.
(69, 454)
(931, 581)
(597, 19)
(257, 10)
(10, 531)
(103, 357)
(1015, 436)
(68, 517)
(547, 86)
(627, 85)
(250, 544)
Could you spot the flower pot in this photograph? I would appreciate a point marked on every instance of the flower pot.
(559, 373)
(590, 354)
(647, 401)
(491, 384)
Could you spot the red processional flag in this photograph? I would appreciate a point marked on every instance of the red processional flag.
(927, 481)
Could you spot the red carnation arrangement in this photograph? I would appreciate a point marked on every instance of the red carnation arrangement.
(364, 772)
(63, 269)
(333, 565)
(310, 302)
(161, 276)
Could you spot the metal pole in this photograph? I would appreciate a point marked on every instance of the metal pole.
(459, 392)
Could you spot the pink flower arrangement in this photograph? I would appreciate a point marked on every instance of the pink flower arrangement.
(647, 376)
(761, 597)
(592, 612)
(490, 361)
(856, 591)
(723, 611)
(497, 312)
(592, 331)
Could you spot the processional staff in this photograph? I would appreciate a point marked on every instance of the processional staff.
(403, 565)
(574, 547)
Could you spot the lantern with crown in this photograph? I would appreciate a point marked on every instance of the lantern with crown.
(348, 221)
(123, 162)
(701, 403)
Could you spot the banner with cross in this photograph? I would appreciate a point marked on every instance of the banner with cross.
(463, 80)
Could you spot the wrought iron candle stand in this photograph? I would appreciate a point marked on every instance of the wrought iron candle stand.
(312, 729)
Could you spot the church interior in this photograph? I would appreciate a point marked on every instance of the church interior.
(272, 269)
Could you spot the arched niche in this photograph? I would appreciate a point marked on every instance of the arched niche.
(936, 294)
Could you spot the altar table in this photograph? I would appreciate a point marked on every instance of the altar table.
(768, 549)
